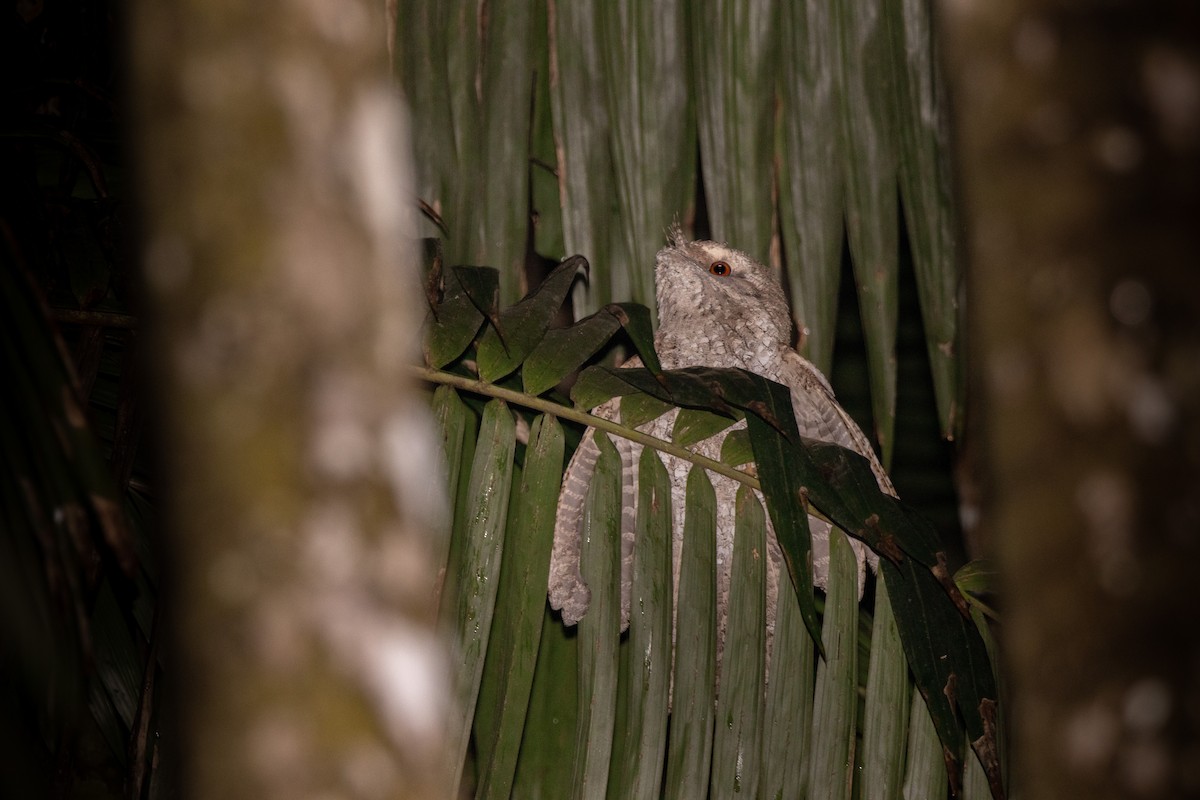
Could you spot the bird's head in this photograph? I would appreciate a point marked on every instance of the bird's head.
(706, 288)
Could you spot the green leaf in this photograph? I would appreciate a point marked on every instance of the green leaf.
(927, 191)
(646, 689)
(925, 772)
(562, 351)
(643, 49)
(811, 188)
(473, 586)
(454, 322)
(600, 383)
(587, 177)
(689, 753)
(737, 745)
(639, 408)
(789, 706)
(453, 419)
(992, 755)
(481, 285)
(461, 495)
(735, 54)
(694, 425)
(599, 630)
(547, 759)
(422, 71)
(517, 626)
(885, 725)
(519, 329)
(949, 663)
(845, 489)
(872, 214)
(977, 577)
(636, 320)
(543, 175)
(835, 704)
(736, 449)
(505, 46)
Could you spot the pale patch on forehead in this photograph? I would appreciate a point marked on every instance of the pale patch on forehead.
(718, 251)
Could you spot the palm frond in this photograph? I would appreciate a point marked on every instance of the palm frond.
(715, 740)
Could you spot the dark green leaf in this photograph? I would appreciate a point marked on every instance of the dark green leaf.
(481, 286)
(453, 420)
(635, 318)
(645, 689)
(513, 336)
(949, 662)
(737, 744)
(736, 448)
(517, 626)
(504, 46)
(454, 322)
(599, 630)
(694, 425)
(846, 490)
(689, 754)
(789, 706)
(872, 214)
(925, 770)
(547, 759)
(472, 588)
(810, 189)
(735, 50)
(886, 720)
(835, 705)
(926, 187)
(587, 177)
(643, 49)
(638, 408)
(422, 71)
(600, 383)
(543, 175)
(562, 352)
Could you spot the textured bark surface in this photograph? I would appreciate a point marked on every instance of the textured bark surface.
(274, 183)
(1079, 134)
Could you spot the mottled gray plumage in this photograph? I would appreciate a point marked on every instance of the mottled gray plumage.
(706, 318)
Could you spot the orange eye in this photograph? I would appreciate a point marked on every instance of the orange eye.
(720, 268)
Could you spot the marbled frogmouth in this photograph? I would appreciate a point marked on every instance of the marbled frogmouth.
(717, 307)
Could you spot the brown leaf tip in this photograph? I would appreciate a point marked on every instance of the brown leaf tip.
(942, 572)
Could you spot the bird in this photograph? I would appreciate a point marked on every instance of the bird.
(717, 307)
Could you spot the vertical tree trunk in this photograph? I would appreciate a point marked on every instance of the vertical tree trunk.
(303, 491)
(1079, 127)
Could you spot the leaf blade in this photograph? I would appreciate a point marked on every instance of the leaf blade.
(835, 703)
(517, 625)
(473, 591)
(599, 629)
(737, 742)
(645, 693)
(689, 753)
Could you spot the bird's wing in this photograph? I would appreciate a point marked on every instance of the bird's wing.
(568, 591)
(820, 416)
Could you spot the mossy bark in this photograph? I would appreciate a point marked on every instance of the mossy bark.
(1079, 134)
(276, 216)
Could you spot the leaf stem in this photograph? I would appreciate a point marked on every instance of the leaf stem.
(583, 418)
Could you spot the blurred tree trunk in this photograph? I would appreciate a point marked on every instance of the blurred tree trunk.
(276, 202)
(1079, 127)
